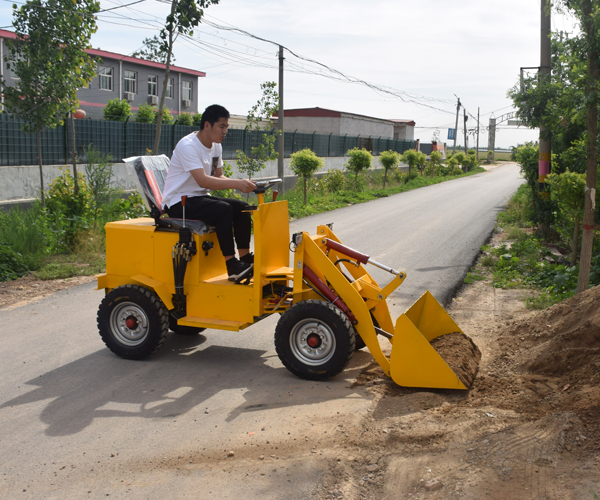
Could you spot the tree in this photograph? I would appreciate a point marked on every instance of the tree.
(413, 158)
(305, 163)
(436, 162)
(48, 57)
(567, 104)
(117, 110)
(152, 50)
(185, 15)
(197, 118)
(265, 150)
(359, 160)
(389, 160)
(568, 190)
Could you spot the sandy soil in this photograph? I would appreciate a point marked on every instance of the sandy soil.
(527, 429)
(19, 292)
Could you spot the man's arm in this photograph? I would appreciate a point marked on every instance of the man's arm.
(220, 181)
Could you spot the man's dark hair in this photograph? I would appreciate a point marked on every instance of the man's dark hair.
(213, 114)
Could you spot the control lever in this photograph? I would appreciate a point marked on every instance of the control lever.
(183, 200)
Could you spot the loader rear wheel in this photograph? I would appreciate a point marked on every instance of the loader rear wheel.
(314, 340)
(183, 330)
(133, 322)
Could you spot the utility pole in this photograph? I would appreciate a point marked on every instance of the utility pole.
(456, 125)
(491, 140)
(545, 66)
(477, 149)
(465, 129)
(281, 138)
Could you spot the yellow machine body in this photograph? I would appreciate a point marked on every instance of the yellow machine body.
(139, 253)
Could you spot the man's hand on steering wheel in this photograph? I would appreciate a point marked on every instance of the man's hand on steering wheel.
(245, 185)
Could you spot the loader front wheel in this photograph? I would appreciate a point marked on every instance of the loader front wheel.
(314, 340)
(133, 322)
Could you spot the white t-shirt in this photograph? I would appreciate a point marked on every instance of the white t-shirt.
(190, 154)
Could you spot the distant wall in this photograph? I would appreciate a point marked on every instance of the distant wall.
(21, 185)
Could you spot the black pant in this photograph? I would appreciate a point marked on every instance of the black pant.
(225, 214)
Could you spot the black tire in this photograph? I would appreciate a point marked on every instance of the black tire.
(324, 324)
(183, 330)
(360, 343)
(133, 322)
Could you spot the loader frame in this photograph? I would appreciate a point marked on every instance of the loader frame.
(139, 259)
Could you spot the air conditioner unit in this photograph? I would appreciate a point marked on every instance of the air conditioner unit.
(153, 99)
(186, 103)
(129, 96)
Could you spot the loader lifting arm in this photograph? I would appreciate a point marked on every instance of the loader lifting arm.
(413, 362)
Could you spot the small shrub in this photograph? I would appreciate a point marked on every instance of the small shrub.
(515, 233)
(197, 118)
(400, 176)
(117, 110)
(184, 119)
(167, 117)
(487, 261)
(12, 264)
(145, 114)
(333, 181)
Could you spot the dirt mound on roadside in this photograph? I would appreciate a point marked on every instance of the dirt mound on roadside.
(548, 363)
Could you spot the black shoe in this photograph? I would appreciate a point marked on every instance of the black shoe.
(248, 258)
(238, 270)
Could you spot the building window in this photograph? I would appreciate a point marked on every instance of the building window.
(170, 89)
(152, 85)
(186, 91)
(129, 81)
(106, 77)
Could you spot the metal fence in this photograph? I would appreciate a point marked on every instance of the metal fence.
(124, 139)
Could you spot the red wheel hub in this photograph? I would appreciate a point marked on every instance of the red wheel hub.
(313, 340)
(131, 323)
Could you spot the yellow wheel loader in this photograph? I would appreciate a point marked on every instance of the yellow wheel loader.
(164, 273)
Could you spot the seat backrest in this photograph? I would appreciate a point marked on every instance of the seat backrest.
(150, 173)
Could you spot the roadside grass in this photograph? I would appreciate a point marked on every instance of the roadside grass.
(525, 261)
(498, 156)
(319, 200)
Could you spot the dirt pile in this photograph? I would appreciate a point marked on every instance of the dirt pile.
(549, 363)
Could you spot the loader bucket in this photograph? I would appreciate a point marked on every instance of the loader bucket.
(415, 363)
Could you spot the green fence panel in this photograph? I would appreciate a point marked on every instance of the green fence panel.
(124, 139)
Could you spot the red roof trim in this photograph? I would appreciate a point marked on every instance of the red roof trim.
(121, 57)
(320, 112)
(412, 123)
(142, 62)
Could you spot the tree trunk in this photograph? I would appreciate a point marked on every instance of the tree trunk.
(165, 84)
(304, 189)
(39, 152)
(592, 157)
(74, 154)
(575, 242)
(384, 177)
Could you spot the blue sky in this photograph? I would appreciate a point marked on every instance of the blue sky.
(427, 52)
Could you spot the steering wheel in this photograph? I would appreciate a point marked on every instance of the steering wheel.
(262, 186)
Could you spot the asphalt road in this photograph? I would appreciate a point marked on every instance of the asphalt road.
(78, 422)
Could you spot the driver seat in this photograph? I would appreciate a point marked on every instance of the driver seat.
(150, 174)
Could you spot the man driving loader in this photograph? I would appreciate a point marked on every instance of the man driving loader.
(196, 169)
